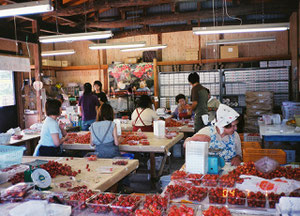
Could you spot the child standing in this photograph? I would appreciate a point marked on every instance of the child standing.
(104, 133)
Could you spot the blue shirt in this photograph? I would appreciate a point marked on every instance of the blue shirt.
(98, 130)
(50, 126)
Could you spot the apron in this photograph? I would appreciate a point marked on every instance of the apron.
(106, 150)
(228, 147)
(144, 128)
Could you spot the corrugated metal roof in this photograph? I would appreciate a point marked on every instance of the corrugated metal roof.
(217, 4)
(265, 16)
(133, 27)
(134, 12)
(187, 6)
(165, 8)
(168, 23)
(110, 13)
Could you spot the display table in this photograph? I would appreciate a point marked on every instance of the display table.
(94, 179)
(157, 145)
(278, 133)
(30, 141)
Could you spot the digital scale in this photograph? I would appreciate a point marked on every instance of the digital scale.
(215, 162)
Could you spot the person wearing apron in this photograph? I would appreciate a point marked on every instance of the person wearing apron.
(222, 135)
(143, 116)
(104, 133)
(53, 134)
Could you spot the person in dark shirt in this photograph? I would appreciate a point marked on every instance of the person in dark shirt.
(89, 104)
(98, 91)
(199, 98)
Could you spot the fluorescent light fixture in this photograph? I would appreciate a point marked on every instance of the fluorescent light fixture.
(117, 45)
(25, 8)
(76, 37)
(154, 47)
(241, 40)
(58, 52)
(241, 28)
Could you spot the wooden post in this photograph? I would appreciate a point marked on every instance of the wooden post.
(37, 67)
(105, 72)
(156, 85)
(159, 52)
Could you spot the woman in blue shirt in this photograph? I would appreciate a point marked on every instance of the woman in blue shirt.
(53, 134)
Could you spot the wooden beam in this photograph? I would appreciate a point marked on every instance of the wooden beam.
(38, 68)
(105, 72)
(203, 14)
(76, 10)
(159, 52)
(82, 67)
(243, 59)
(156, 86)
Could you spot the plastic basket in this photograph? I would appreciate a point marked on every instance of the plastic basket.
(250, 154)
(4, 138)
(10, 155)
(252, 137)
(255, 145)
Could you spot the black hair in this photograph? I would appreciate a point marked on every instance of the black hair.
(87, 88)
(52, 107)
(178, 97)
(193, 78)
(105, 112)
(97, 82)
(208, 92)
(145, 102)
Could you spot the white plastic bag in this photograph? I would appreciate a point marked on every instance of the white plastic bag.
(276, 185)
(266, 165)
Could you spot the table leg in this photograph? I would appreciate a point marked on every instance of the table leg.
(152, 170)
(162, 165)
(263, 142)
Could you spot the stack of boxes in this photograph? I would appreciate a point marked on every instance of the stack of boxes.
(257, 104)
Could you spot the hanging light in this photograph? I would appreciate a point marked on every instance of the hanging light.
(117, 45)
(25, 8)
(76, 37)
(241, 28)
(241, 40)
(153, 47)
(58, 52)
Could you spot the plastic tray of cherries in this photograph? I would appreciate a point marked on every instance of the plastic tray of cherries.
(153, 205)
(100, 203)
(175, 209)
(78, 200)
(17, 192)
(126, 205)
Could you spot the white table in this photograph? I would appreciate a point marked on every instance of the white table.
(30, 140)
(278, 133)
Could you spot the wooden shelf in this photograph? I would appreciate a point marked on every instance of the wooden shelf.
(242, 59)
(70, 68)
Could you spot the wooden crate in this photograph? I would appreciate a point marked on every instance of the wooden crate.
(250, 154)
(255, 145)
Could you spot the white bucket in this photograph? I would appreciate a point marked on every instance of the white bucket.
(164, 181)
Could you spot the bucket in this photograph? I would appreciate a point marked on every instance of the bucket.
(128, 155)
(164, 181)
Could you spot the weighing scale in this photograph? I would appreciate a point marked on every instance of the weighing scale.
(39, 176)
(215, 162)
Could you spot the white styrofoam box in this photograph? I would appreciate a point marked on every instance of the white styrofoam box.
(196, 157)
(287, 63)
(263, 64)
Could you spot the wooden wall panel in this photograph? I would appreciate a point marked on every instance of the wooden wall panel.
(82, 77)
(177, 44)
(115, 55)
(294, 54)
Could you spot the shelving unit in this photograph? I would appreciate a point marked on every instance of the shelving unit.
(237, 81)
(174, 83)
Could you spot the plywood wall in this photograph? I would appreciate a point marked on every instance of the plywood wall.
(77, 76)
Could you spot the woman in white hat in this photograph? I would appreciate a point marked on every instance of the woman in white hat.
(222, 135)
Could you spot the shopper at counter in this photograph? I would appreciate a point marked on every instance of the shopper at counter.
(143, 116)
(89, 104)
(222, 135)
(98, 90)
(182, 110)
(53, 134)
(199, 98)
(104, 133)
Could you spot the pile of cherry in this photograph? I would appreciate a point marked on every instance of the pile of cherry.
(78, 138)
(220, 189)
(53, 167)
(132, 138)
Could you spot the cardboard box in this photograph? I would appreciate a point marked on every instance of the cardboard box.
(64, 63)
(229, 52)
(51, 63)
(131, 60)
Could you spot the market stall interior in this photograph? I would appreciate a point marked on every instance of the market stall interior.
(195, 104)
